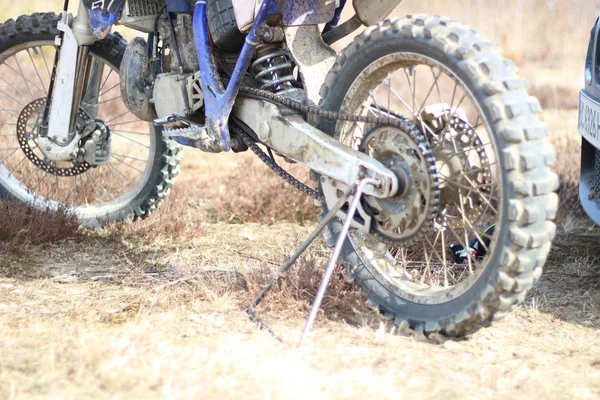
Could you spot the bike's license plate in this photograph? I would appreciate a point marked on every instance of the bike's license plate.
(589, 119)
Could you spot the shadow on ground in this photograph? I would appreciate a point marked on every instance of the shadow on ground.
(569, 288)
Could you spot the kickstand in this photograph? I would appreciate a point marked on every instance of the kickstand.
(355, 190)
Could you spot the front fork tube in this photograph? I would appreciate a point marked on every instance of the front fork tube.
(70, 76)
(218, 102)
(81, 77)
(91, 99)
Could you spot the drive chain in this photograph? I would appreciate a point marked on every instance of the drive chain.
(398, 122)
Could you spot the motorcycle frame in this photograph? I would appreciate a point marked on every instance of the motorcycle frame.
(218, 101)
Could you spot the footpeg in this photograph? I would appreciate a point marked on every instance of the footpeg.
(187, 133)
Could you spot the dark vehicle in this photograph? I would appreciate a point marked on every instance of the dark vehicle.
(589, 127)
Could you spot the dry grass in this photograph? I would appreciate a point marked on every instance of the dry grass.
(255, 194)
(160, 313)
(22, 225)
(250, 193)
(554, 96)
(181, 283)
(177, 219)
(190, 338)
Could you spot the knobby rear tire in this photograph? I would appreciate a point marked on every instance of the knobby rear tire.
(525, 158)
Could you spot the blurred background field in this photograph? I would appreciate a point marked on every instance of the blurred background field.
(547, 38)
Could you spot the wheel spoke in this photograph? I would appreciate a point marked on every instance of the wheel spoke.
(117, 117)
(12, 98)
(13, 152)
(83, 190)
(105, 80)
(27, 81)
(108, 90)
(115, 178)
(103, 188)
(129, 157)
(90, 180)
(467, 174)
(13, 87)
(37, 72)
(112, 167)
(129, 165)
(131, 140)
(429, 93)
(97, 103)
(130, 132)
(41, 50)
(34, 170)
(17, 166)
(124, 123)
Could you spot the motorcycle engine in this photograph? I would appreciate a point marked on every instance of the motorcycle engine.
(175, 86)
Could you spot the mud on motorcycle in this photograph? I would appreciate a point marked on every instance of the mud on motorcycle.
(456, 218)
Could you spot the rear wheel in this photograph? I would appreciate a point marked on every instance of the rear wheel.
(469, 237)
(143, 163)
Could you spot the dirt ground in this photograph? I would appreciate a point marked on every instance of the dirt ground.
(127, 318)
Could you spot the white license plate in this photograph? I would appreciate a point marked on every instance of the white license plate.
(589, 119)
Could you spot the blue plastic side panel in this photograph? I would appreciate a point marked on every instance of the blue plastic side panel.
(102, 14)
(179, 6)
(338, 14)
(308, 12)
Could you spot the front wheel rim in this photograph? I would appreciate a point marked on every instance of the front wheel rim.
(97, 193)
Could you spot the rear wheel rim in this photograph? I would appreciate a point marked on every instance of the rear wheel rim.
(424, 272)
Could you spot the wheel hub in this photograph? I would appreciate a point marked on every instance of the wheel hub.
(405, 216)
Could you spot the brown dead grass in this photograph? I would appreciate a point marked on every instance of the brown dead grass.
(256, 194)
(555, 96)
(190, 338)
(176, 219)
(22, 225)
(250, 193)
(181, 331)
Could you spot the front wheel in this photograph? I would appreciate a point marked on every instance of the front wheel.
(468, 237)
(143, 162)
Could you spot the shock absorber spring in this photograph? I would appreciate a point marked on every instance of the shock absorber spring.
(274, 69)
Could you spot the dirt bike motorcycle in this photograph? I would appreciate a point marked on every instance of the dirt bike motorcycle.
(423, 143)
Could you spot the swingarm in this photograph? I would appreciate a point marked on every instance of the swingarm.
(295, 138)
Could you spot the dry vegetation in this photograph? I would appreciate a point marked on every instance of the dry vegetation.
(22, 225)
(155, 308)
